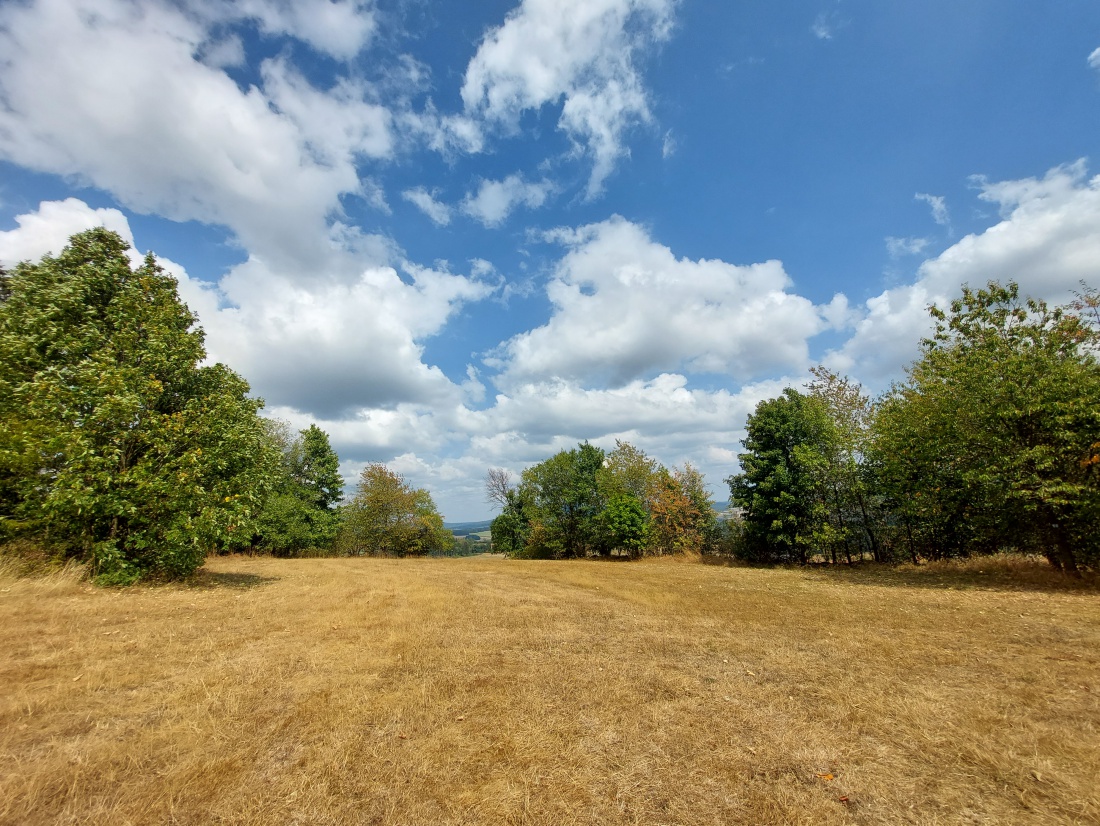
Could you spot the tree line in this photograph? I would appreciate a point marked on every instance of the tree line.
(587, 501)
(990, 444)
(119, 447)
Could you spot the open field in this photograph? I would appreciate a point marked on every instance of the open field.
(484, 690)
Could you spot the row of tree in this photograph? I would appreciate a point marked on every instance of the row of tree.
(586, 501)
(992, 443)
(118, 446)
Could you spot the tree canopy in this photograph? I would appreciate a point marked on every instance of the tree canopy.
(389, 517)
(116, 446)
(992, 443)
(300, 514)
(585, 501)
(786, 444)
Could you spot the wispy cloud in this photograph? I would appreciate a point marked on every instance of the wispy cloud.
(822, 27)
(668, 146)
(938, 205)
(899, 247)
(427, 203)
(579, 52)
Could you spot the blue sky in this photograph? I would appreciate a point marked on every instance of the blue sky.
(468, 234)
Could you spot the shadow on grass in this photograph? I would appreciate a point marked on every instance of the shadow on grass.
(970, 575)
(994, 573)
(209, 580)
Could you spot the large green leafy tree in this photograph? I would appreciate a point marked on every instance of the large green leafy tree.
(509, 530)
(115, 445)
(992, 441)
(566, 502)
(389, 517)
(511, 527)
(624, 524)
(585, 501)
(852, 516)
(627, 483)
(300, 514)
(628, 470)
(316, 468)
(787, 442)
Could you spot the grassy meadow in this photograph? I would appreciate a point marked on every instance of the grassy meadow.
(490, 691)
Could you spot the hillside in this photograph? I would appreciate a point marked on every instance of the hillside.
(467, 528)
(483, 690)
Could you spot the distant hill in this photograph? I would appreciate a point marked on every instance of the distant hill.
(467, 528)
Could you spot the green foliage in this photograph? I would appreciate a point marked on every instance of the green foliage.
(703, 522)
(299, 517)
(115, 446)
(510, 529)
(992, 441)
(463, 546)
(564, 502)
(787, 442)
(316, 468)
(582, 501)
(388, 517)
(628, 470)
(624, 524)
(289, 525)
(852, 519)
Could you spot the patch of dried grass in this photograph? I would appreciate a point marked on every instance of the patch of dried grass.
(28, 566)
(484, 690)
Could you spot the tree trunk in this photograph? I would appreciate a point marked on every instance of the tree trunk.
(912, 549)
(867, 527)
(1065, 554)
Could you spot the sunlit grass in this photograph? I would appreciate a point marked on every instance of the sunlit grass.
(484, 690)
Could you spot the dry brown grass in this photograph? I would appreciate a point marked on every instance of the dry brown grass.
(494, 691)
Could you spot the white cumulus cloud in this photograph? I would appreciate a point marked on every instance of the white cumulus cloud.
(625, 308)
(120, 101)
(494, 201)
(580, 53)
(1048, 241)
(338, 28)
(348, 341)
(46, 231)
